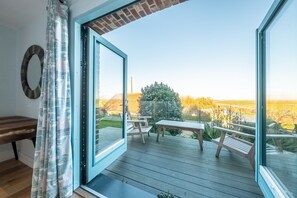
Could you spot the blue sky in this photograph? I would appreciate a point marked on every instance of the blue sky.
(281, 52)
(200, 48)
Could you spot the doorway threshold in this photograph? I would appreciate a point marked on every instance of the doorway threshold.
(113, 188)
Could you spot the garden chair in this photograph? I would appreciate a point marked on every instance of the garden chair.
(138, 126)
(232, 141)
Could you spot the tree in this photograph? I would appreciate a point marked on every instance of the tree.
(161, 102)
(205, 103)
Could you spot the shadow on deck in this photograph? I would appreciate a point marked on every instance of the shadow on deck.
(177, 165)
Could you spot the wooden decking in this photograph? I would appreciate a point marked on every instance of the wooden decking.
(177, 165)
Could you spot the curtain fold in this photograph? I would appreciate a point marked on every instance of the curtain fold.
(52, 171)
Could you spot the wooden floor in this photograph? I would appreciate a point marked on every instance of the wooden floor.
(15, 181)
(177, 165)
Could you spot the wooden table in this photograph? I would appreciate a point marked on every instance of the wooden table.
(15, 128)
(190, 126)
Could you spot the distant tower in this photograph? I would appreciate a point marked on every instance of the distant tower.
(131, 84)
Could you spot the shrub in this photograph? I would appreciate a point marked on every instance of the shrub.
(161, 102)
(165, 195)
(196, 115)
(209, 133)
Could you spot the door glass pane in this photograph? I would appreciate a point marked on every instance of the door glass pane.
(108, 98)
(281, 97)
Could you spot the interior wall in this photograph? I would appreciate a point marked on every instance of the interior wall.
(7, 81)
(8, 71)
(34, 33)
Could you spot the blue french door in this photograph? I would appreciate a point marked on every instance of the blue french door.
(105, 104)
(276, 157)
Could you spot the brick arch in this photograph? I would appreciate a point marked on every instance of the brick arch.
(130, 13)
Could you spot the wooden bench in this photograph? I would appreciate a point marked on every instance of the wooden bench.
(235, 144)
(15, 128)
(190, 126)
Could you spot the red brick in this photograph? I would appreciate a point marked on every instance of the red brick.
(131, 18)
(117, 24)
(122, 22)
(99, 24)
(126, 11)
(135, 14)
(154, 8)
(166, 3)
(150, 2)
(146, 8)
(142, 13)
(116, 16)
(130, 13)
(108, 27)
(124, 18)
(106, 20)
(159, 4)
(99, 31)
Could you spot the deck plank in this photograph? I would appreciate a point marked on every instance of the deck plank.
(177, 165)
(190, 174)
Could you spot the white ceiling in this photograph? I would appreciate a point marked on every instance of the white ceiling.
(17, 13)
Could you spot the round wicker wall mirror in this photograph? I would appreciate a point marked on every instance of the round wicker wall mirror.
(31, 71)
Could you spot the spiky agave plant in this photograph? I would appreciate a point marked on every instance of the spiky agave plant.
(165, 195)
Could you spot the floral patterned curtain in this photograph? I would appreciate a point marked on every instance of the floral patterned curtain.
(52, 172)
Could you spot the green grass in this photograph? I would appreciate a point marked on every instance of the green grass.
(202, 118)
(109, 123)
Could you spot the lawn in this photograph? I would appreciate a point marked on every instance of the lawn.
(109, 123)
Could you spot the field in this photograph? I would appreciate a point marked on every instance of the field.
(283, 112)
(250, 104)
(246, 104)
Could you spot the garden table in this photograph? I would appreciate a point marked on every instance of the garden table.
(190, 126)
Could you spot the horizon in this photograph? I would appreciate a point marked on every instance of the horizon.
(193, 59)
(224, 99)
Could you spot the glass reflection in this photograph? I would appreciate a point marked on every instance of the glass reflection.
(281, 97)
(34, 72)
(108, 98)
